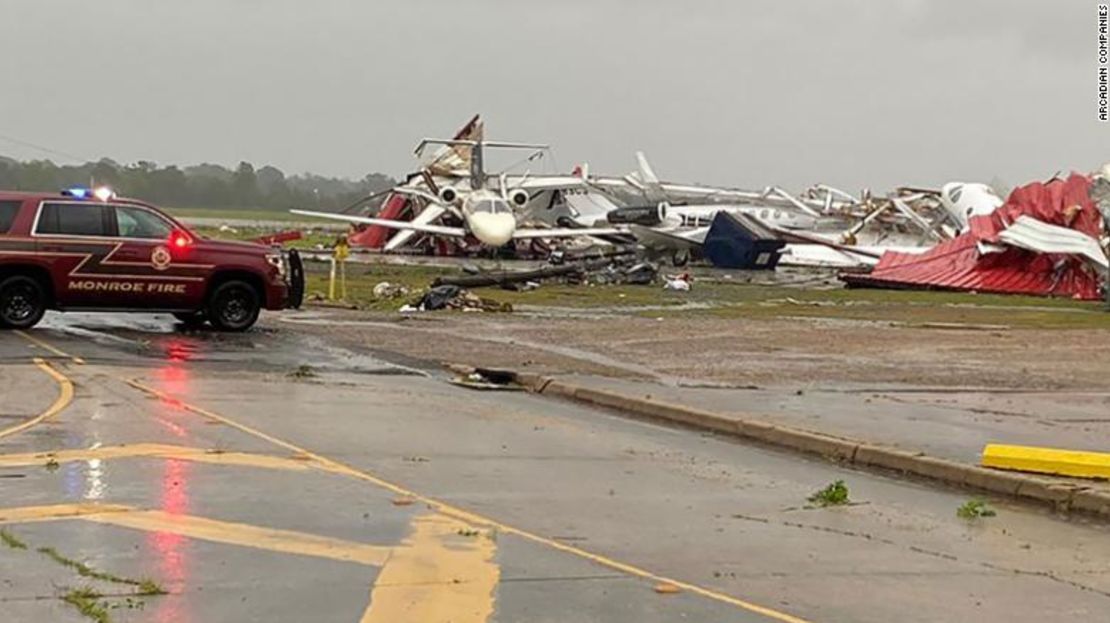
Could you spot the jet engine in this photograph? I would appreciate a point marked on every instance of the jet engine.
(648, 216)
(519, 198)
(448, 195)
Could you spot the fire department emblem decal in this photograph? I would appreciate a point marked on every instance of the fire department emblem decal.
(160, 258)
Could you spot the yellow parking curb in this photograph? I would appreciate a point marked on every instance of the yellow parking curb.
(1047, 461)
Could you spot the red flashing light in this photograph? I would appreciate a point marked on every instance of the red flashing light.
(180, 240)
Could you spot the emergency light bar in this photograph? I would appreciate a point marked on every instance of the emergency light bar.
(103, 193)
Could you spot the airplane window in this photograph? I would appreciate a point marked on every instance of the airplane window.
(955, 193)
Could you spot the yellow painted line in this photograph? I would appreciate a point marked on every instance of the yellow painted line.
(48, 347)
(284, 541)
(55, 512)
(65, 396)
(472, 518)
(245, 535)
(159, 451)
(1047, 461)
(438, 575)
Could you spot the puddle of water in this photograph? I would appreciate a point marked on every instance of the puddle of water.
(162, 338)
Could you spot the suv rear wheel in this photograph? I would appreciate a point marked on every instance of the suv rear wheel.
(233, 306)
(22, 302)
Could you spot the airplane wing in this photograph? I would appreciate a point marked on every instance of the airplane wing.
(439, 230)
(569, 232)
(431, 212)
(664, 239)
(547, 182)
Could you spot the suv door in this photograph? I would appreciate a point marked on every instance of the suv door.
(162, 280)
(73, 237)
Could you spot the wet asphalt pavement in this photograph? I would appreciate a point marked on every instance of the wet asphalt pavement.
(272, 476)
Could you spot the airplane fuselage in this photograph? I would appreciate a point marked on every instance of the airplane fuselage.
(489, 217)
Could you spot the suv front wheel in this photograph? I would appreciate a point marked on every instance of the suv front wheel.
(233, 306)
(22, 302)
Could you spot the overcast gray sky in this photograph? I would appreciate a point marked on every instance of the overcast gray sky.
(746, 93)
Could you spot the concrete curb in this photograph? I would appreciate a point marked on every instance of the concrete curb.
(1061, 496)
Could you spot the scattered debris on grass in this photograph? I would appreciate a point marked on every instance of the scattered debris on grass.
(403, 501)
(52, 465)
(836, 494)
(679, 283)
(467, 532)
(974, 509)
(454, 297)
(387, 290)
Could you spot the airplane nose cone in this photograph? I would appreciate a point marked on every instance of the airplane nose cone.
(492, 229)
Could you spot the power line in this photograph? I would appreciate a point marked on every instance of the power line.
(12, 139)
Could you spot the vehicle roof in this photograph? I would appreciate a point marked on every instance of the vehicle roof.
(24, 195)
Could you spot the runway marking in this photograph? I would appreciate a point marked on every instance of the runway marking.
(443, 572)
(48, 347)
(65, 396)
(245, 535)
(54, 512)
(160, 451)
(469, 517)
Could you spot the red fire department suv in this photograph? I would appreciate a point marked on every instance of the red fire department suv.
(84, 249)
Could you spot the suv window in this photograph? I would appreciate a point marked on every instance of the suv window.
(8, 210)
(73, 219)
(134, 222)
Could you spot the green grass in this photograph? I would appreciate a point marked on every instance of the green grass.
(974, 509)
(10, 540)
(87, 602)
(302, 371)
(741, 301)
(85, 599)
(234, 213)
(145, 586)
(835, 494)
(309, 241)
(149, 588)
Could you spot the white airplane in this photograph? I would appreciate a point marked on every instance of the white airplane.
(964, 200)
(772, 205)
(679, 207)
(488, 211)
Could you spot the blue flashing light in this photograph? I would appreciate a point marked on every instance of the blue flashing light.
(77, 192)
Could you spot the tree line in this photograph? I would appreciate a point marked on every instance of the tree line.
(201, 186)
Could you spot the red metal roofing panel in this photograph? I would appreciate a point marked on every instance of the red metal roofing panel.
(957, 264)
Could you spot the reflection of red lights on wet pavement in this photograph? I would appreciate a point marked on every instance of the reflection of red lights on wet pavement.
(178, 350)
(177, 429)
(172, 550)
(173, 378)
